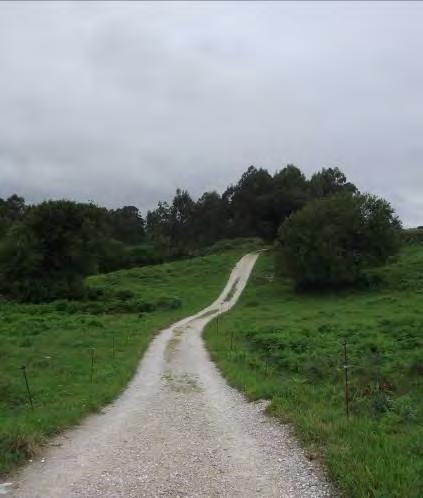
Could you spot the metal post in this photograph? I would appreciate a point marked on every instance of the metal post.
(347, 396)
(92, 350)
(23, 368)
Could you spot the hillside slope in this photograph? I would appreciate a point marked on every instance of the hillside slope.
(79, 355)
(288, 347)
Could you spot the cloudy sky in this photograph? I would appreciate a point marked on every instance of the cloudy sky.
(121, 103)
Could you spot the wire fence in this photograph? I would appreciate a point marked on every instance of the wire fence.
(263, 365)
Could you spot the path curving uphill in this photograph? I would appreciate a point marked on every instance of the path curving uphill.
(178, 430)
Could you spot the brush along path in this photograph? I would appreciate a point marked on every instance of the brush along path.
(177, 430)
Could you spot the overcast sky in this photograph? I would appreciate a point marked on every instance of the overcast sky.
(120, 103)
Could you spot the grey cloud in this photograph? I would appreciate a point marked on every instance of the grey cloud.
(123, 102)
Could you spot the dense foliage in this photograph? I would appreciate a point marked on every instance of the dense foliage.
(413, 235)
(11, 210)
(48, 253)
(331, 241)
(253, 207)
(46, 250)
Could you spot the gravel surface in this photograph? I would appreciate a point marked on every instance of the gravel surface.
(178, 430)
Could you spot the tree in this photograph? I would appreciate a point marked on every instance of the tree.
(291, 193)
(172, 227)
(127, 225)
(158, 228)
(330, 181)
(251, 204)
(182, 223)
(47, 254)
(211, 215)
(331, 241)
(11, 209)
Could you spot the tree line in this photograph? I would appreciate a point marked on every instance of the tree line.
(254, 207)
(46, 250)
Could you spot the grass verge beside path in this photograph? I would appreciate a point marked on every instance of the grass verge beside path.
(55, 342)
(288, 347)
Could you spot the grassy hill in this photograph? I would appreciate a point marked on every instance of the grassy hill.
(56, 342)
(289, 348)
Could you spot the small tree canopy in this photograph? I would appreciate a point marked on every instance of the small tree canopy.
(330, 181)
(331, 241)
(127, 225)
(47, 254)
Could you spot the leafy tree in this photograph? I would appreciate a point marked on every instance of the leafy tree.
(253, 207)
(158, 227)
(211, 215)
(182, 223)
(127, 225)
(251, 204)
(330, 181)
(291, 193)
(11, 210)
(331, 241)
(47, 254)
(172, 228)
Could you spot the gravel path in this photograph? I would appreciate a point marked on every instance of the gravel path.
(178, 430)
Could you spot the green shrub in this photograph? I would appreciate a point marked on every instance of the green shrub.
(330, 242)
(412, 235)
(171, 303)
(247, 244)
(48, 253)
(125, 294)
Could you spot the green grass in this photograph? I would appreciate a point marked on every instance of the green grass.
(54, 341)
(288, 347)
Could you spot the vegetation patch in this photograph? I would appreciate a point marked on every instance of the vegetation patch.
(288, 347)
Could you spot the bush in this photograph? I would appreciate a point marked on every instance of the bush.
(331, 241)
(413, 236)
(125, 294)
(115, 255)
(48, 253)
(246, 244)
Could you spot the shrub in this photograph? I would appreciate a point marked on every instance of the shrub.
(125, 294)
(246, 244)
(170, 303)
(331, 241)
(48, 253)
(413, 236)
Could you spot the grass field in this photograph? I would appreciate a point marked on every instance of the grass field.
(55, 342)
(288, 348)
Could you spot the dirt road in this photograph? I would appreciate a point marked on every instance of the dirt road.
(178, 430)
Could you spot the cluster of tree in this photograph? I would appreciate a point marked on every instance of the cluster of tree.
(332, 241)
(46, 250)
(253, 207)
(11, 210)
